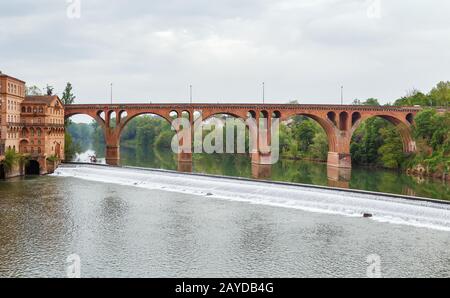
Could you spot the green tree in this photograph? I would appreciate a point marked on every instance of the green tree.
(33, 91)
(319, 148)
(425, 123)
(68, 97)
(11, 159)
(391, 152)
(441, 94)
(414, 97)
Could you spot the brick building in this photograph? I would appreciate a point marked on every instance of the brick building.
(31, 125)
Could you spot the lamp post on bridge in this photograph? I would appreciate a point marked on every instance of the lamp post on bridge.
(263, 92)
(111, 93)
(342, 95)
(190, 94)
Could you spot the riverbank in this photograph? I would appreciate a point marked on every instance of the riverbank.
(417, 212)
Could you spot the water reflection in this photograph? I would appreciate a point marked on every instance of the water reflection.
(306, 172)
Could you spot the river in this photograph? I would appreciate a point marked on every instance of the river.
(139, 223)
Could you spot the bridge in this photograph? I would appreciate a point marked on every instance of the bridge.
(338, 121)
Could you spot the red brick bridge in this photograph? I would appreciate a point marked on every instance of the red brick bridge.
(338, 121)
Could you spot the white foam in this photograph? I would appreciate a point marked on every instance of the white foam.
(384, 209)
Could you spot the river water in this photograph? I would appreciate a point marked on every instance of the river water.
(306, 172)
(134, 223)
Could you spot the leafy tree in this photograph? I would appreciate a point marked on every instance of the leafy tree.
(11, 159)
(319, 148)
(440, 94)
(391, 152)
(425, 124)
(414, 97)
(68, 97)
(367, 102)
(33, 91)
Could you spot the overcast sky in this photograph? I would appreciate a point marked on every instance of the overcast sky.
(301, 49)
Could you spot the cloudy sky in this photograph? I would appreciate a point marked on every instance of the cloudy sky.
(302, 49)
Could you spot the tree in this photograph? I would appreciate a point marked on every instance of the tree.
(391, 152)
(319, 148)
(10, 160)
(368, 102)
(414, 97)
(68, 97)
(441, 94)
(304, 133)
(425, 124)
(33, 91)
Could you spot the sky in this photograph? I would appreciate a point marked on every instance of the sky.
(151, 51)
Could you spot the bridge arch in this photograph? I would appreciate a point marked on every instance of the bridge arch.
(156, 126)
(402, 125)
(131, 116)
(326, 123)
(97, 144)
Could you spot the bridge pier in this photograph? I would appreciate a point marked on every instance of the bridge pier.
(260, 171)
(339, 177)
(184, 166)
(112, 154)
(184, 157)
(339, 160)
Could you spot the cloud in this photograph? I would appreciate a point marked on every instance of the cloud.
(152, 50)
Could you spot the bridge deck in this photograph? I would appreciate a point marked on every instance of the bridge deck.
(242, 106)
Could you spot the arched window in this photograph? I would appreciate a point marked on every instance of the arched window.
(29, 110)
(39, 132)
(23, 109)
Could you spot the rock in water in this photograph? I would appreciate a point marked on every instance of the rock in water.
(366, 215)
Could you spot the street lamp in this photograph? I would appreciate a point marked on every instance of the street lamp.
(263, 92)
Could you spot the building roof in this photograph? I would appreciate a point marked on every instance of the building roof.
(41, 99)
(2, 75)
